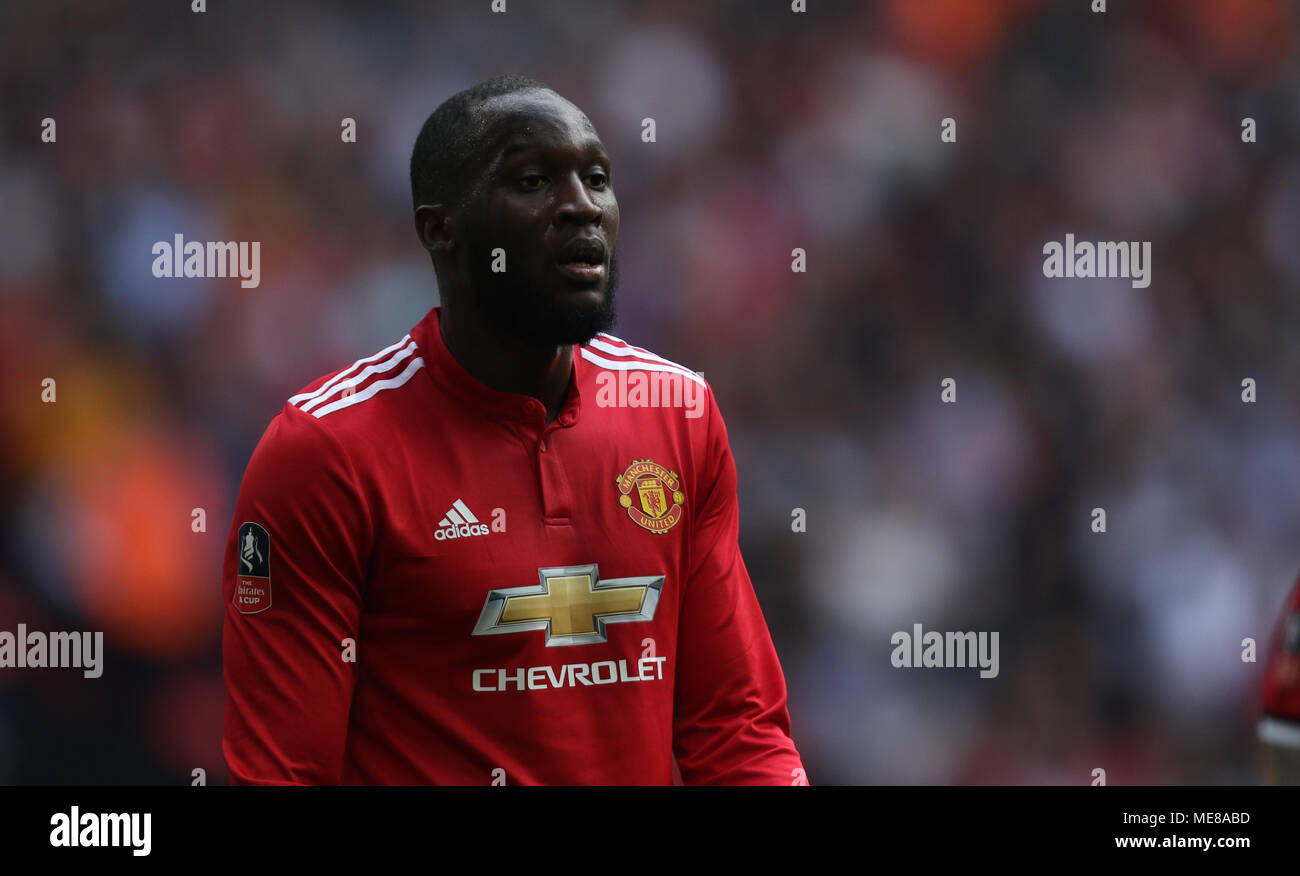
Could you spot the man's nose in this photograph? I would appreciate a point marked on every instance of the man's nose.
(576, 203)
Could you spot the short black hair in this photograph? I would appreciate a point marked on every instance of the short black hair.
(450, 137)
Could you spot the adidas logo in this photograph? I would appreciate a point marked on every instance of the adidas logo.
(460, 522)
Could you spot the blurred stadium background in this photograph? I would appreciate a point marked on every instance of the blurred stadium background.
(775, 130)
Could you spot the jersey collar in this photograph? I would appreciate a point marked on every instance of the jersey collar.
(451, 378)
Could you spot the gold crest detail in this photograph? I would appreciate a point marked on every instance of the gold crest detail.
(652, 495)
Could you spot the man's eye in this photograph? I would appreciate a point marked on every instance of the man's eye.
(532, 181)
(598, 180)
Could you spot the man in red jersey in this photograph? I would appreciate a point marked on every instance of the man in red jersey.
(502, 550)
(1279, 716)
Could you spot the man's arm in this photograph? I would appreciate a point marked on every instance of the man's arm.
(288, 689)
(730, 721)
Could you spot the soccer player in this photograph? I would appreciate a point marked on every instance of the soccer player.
(1279, 716)
(478, 556)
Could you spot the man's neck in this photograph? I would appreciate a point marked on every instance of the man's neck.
(505, 365)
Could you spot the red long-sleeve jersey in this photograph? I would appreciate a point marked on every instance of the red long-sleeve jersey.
(426, 582)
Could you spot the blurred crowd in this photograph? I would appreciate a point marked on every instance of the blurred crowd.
(1120, 650)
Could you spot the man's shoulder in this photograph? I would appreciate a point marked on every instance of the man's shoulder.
(347, 395)
(639, 383)
(354, 407)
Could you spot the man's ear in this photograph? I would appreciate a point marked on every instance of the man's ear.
(435, 225)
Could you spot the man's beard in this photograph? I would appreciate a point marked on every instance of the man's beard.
(518, 311)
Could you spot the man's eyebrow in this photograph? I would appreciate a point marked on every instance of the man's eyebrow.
(518, 146)
(591, 146)
(594, 145)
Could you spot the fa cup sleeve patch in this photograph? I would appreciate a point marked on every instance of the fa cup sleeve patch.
(253, 569)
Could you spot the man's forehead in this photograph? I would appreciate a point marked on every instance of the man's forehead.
(521, 118)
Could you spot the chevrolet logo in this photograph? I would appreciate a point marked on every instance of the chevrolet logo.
(571, 604)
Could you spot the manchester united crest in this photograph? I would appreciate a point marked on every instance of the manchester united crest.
(652, 495)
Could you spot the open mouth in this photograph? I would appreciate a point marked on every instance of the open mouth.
(583, 260)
